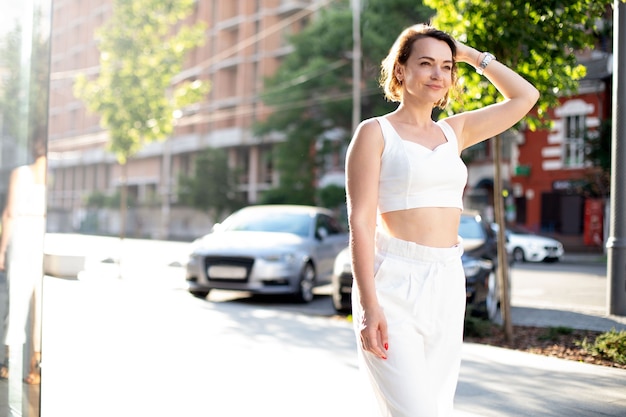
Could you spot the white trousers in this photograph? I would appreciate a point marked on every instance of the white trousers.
(422, 293)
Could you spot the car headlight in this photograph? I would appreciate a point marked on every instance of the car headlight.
(474, 266)
(286, 257)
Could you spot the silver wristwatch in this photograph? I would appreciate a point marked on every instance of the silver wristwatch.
(483, 64)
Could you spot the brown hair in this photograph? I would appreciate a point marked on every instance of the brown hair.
(399, 55)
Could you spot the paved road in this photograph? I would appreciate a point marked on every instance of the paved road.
(562, 294)
(560, 285)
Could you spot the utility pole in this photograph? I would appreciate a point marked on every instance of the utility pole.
(356, 63)
(616, 243)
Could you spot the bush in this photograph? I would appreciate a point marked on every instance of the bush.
(610, 345)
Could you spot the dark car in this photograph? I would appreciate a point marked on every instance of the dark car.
(480, 260)
(479, 264)
(271, 249)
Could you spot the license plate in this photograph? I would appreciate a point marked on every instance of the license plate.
(227, 272)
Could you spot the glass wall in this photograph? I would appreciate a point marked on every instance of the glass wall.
(24, 76)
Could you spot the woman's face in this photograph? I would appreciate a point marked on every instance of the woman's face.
(427, 74)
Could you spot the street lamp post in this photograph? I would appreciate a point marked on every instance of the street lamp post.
(356, 63)
(616, 243)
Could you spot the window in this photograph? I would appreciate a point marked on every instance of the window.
(574, 141)
(327, 223)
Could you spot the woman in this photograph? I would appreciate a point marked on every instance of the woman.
(404, 183)
(21, 256)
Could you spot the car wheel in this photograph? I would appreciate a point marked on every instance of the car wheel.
(199, 293)
(306, 284)
(341, 301)
(518, 255)
(493, 297)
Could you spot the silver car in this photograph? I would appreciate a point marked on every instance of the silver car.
(271, 249)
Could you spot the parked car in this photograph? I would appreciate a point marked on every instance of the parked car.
(525, 246)
(479, 264)
(270, 249)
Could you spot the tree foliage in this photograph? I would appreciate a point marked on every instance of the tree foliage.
(212, 187)
(142, 48)
(311, 93)
(537, 39)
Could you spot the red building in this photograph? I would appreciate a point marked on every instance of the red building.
(550, 179)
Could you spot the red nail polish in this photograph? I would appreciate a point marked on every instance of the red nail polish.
(386, 346)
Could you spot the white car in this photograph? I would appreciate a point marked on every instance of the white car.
(272, 249)
(528, 247)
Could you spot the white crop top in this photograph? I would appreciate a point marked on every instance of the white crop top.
(412, 176)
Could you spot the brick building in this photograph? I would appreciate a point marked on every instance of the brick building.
(245, 42)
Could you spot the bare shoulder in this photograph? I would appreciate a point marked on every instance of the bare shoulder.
(17, 174)
(457, 124)
(369, 132)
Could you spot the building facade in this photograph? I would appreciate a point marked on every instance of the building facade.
(245, 42)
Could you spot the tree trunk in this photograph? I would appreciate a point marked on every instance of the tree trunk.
(123, 204)
(503, 262)
(123, 199)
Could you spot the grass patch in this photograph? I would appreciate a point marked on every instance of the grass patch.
(553, 333)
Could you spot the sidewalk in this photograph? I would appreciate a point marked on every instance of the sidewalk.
(497, 382)
(494, 382)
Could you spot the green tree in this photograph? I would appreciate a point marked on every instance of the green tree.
(311, 93)
(142, 49)
(213, 185)
(538, 40)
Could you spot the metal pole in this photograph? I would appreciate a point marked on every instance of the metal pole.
(356, 63)
(616, 243)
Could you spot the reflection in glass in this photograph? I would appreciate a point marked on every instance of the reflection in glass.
(24, 75)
